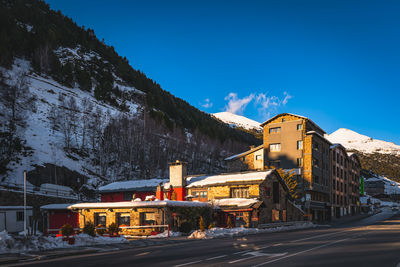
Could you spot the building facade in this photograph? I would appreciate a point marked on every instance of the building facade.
(296, 142)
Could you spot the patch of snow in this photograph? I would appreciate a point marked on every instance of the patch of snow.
(56, 206)
(353, 140)
(237, 121)
(227, 178)
(133, 184)
(237, 202)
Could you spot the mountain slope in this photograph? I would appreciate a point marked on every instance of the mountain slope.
(238, 121)
(363, 143)
(378, 156)
(70, 102)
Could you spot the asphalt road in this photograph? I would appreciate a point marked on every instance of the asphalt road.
(374, 241)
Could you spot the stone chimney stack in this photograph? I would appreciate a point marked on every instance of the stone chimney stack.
(177, 178)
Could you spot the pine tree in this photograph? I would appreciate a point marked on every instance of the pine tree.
(291, 182)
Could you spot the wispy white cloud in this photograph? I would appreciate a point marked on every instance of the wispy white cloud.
(265, 104)
(237, 105)
(207, 103)
(286, 99)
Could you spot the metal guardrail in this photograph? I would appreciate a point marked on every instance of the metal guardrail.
(41, 191)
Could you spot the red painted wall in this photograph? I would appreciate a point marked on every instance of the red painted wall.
(57, 218)
(112, 197)
(180, 193)
(119, 196)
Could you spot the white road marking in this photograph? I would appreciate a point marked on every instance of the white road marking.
(242, 259)
(258, 254)
(301, 252)
(217, 257)
(188, 263)
(244, 251)
(143, 253)
(312, 237)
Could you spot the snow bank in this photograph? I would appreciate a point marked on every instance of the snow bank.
(237, 202)
(239, 231)
(17, 244)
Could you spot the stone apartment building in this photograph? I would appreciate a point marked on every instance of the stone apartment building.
(250, 198)
(296, 142)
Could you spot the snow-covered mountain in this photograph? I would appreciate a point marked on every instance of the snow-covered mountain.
(238, 121)
(362, 143)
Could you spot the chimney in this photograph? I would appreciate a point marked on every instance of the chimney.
(160, 192)
(177, 174)
(252, 147)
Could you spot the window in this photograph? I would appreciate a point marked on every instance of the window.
(283, 119)
(203, 194)
(200, 194)
(275, 147)
(315, 146)
(20, 216)
(316, 179)
(258, 157)
(100, 219)
(299, 145)
(333, 185)
(299, 127)
(127, 196)
(345, 188)
(275, 192)
(315, 163)
(147, 218)
(299, 162)
(275, 163)
(242, 192)
(334, 156)
(333, 171)
(275, 130)
(124, 219)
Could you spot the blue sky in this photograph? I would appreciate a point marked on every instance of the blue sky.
(337, 62)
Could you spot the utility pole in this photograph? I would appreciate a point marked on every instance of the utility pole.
(25, 203)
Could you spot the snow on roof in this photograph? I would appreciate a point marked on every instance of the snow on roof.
(227, 178)
(237, 202)
(14, 207)
(320, 135)
(267, 121)
(244, 153)
(61, 206)
(139, 204)
(133, 184)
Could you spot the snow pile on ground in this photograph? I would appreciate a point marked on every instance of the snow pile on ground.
(165, 234)
(16, 244)
(239, 231)
(237, 121)
(352, 140)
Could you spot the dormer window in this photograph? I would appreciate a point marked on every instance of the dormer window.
(283, 119)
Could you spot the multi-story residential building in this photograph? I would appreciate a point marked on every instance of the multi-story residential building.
(345, 181)
(296, 142)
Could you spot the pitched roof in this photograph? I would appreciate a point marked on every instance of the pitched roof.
(139, 204)
(244, 153)
(282, 114)
(138, 185)
(205, 180)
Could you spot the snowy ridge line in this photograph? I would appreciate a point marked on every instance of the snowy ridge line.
(353, 140)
